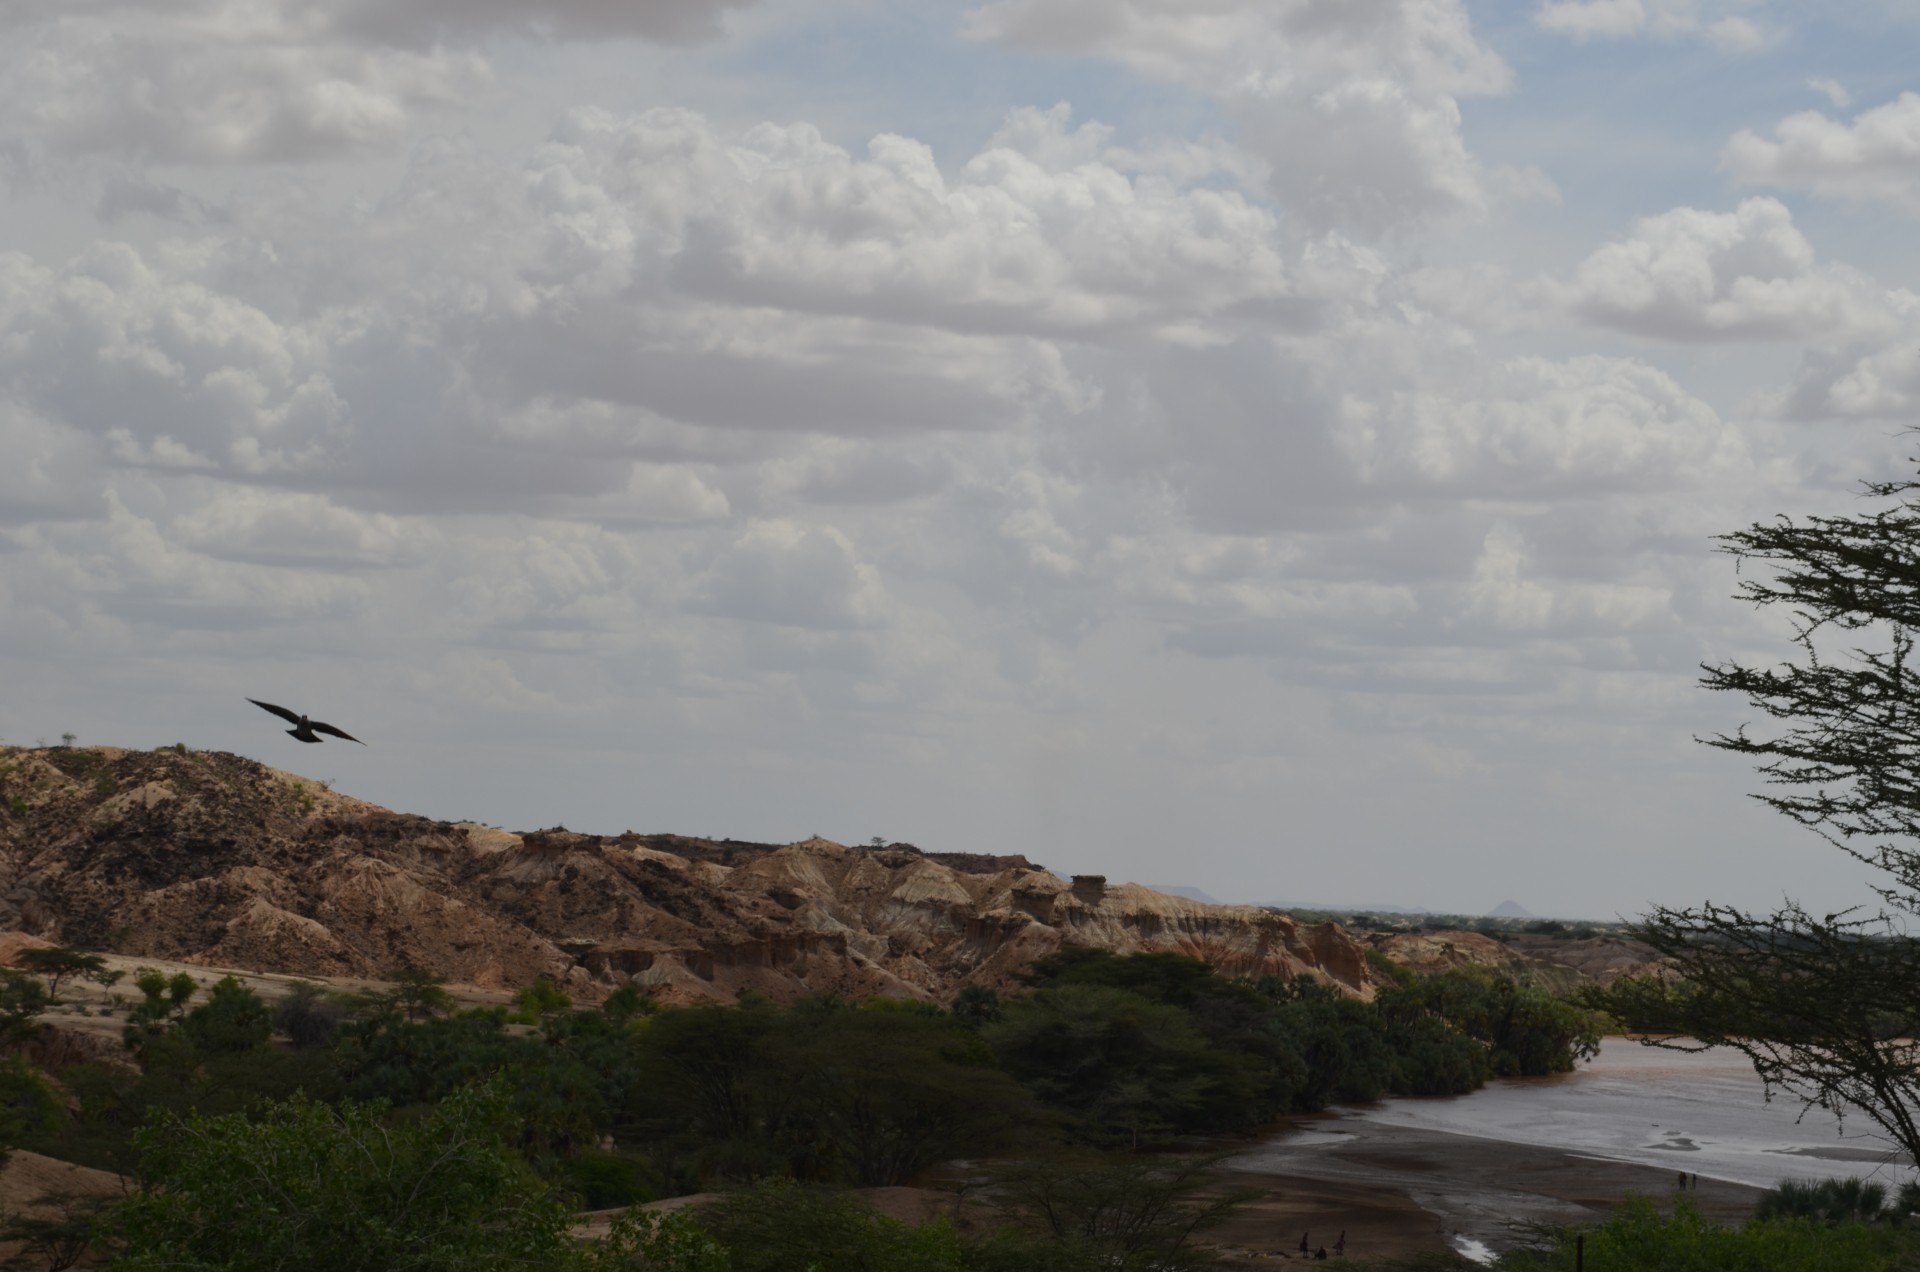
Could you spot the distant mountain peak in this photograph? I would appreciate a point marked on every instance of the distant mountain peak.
(1510, 910)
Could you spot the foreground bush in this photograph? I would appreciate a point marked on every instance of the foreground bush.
(1837, 1201)
(1638, 1238)
(781, 1226)
(644, 1241)
(304, 1187)
(1121, 1213)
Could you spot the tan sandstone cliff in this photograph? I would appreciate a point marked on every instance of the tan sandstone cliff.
(214, 859)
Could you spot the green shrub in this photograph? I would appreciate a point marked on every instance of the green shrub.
(781, 1226)
(1388, 970)
(541, 999)
(976, 1006)
(307, 1017)
(1831, 1201)
(23, 997)
(28, 1106)
(644, 1241)
(1638, 1238)
(603, 1180)
(233, 1019)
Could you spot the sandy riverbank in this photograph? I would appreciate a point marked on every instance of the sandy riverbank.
(1398, 1191)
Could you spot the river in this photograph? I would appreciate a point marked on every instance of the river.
(1478, 1169)
(1705, 1113)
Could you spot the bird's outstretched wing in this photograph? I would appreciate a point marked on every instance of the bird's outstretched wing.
(282, 712)
(318, 727)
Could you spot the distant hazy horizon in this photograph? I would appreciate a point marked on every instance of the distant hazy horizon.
(1268, 444)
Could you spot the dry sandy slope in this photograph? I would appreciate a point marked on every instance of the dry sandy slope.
(214, 860)
(28, 1178)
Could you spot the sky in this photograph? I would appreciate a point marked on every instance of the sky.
(1266, 446)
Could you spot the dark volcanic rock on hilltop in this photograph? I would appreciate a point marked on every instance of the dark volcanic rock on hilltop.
(215, 859)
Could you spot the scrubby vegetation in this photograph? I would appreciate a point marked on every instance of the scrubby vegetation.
(1499, 927)
(1157, 1043)
(1826, 1226)
(384, 1130)
(1640, 1237)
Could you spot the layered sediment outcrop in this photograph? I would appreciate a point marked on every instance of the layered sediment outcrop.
(214, 859)
(1557, 964)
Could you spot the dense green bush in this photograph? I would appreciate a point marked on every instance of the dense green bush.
(864, 1094)
(1527, 1031)
(1432, 1057)
(885, 1093)
(304, 1185)
(1343, 1043)
(1123, 1066)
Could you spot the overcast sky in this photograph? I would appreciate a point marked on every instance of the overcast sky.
(1271, 446)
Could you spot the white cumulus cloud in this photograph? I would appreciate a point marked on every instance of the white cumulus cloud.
(275, 81)
(1875, 155)
(1689, 274)
(1355, 108)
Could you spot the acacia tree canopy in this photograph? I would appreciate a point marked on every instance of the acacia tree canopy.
(1826, 1007)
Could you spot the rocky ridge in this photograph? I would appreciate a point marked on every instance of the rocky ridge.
(213, 859)
(1556, 964)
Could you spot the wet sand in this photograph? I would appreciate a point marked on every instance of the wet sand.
(1398, 1191)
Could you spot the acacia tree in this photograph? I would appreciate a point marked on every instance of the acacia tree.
(58, 963)
(1827, 1007)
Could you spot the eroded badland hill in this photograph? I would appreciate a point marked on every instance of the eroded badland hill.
(213, 859)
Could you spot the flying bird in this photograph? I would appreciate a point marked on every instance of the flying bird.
(304, 729)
